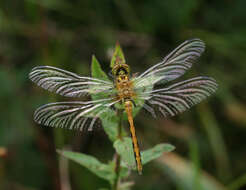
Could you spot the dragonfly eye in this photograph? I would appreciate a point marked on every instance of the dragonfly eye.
(120, 69)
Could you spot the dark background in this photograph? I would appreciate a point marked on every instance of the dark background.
(66, 34)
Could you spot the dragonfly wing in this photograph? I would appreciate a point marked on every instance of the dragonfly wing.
(180, 96)
(67, 83)
(72, 115)
(174, 64)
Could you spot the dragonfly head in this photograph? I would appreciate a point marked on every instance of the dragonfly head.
(121, 69)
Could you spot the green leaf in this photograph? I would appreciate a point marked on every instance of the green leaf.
(96, 70)
(110, 120)
(124, 171)
(124, 148)
(155, 152)
(91, 163)
(118, 56)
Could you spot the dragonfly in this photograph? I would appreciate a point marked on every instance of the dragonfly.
(147, 90)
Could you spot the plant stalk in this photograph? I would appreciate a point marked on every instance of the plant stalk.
(117, 156)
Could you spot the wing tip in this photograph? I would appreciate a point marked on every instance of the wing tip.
(33, 71)
(200, 42)
(195, 39)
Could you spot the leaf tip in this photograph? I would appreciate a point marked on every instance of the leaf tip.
(118, 54)
(94, 60)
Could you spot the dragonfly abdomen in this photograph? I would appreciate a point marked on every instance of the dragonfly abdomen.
(137, 154)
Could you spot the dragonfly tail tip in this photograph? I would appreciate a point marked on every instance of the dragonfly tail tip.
(140, 172)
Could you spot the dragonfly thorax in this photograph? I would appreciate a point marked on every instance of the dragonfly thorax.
(124, 87)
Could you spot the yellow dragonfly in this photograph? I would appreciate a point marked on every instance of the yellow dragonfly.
(145, 90)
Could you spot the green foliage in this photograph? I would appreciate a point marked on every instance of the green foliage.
(105, 171)
(96, 70)
(110, 124)
(156, 151)
(125, 149)
(109, 119)
(118, 56)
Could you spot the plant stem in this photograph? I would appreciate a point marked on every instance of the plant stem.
(64, 173)
(117, 156)
(120, 115)
(117, 171)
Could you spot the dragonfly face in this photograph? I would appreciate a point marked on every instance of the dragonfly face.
(145, 90)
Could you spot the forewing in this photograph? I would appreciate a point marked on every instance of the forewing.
(67, 83)
(174, 64)
(72, 115)
(180, 96)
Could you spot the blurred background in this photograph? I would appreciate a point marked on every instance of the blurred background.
(210, 138)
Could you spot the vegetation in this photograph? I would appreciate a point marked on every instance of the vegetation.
(209, 138)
